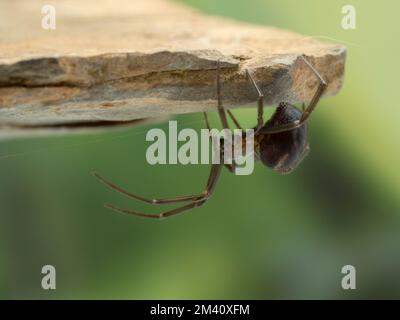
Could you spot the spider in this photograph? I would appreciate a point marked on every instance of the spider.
(280, 143)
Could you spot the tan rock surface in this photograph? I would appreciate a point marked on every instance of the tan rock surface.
(131, 59)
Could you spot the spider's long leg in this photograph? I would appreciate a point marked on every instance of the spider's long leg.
(300, 159)
(230, 167)
(206, 121)
(137, 197)
(237, 124)
(260, 103)
(222, 114)
(196, 200)
(220, 107)
(307, 111)
(320, 90)
(165, 214)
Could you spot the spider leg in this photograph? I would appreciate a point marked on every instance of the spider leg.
(234, 119)
(222, 115)
(307, 111)
(231, 115)
(299, 160)
(260, 102)
(165, 214)
(137, 197)
(206, 121)
(196, 201)
(320, 90)
(230, 167)
(220, 107)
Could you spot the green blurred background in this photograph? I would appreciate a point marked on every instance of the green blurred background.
(260, 236)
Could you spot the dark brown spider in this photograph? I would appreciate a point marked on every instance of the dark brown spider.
(280, 143)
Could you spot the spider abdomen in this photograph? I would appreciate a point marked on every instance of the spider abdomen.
(283, 151)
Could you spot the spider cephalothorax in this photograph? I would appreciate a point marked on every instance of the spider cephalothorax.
(280, 143)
